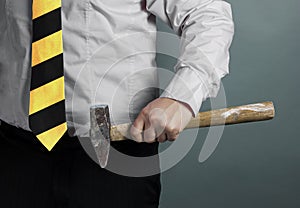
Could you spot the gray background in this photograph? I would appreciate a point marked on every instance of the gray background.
(258, 164)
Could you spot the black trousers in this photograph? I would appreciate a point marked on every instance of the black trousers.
(32, 177)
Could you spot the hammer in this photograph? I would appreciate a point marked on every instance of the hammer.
(101, 132)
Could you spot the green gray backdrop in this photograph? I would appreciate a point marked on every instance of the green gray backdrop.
(255, 165)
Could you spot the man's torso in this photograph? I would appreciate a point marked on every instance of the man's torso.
(109, 52)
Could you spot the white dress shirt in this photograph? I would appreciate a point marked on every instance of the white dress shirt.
(109, 55)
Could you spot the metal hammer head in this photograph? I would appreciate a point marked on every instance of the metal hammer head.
(100, 132)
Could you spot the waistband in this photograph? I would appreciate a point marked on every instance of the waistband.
(26, 139)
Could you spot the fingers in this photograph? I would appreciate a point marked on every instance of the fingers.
(153, 128)
(149, 134)
(142, 129)
(168, 133)
(137, 128)
(163, 119)
(162, 138)
(172, 134)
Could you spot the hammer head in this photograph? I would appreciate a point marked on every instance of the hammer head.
(100, 132)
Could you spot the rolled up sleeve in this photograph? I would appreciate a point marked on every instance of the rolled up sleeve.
(206, 29)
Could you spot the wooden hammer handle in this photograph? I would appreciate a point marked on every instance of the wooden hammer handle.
(233, 115)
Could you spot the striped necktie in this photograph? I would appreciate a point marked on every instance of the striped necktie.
(47, 99)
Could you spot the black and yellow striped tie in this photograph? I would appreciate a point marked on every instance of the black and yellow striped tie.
(47, 98)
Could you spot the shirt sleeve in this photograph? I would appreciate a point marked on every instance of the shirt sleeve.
(206, 29)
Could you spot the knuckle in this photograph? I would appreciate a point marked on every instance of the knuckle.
(172, 138)
(153, 117)
(172, 130)
(144, 111)
(175, 131)
(135, 134)
(133, 131)
(149, 138)
(161, 139)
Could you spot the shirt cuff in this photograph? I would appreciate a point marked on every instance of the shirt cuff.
(187, 86)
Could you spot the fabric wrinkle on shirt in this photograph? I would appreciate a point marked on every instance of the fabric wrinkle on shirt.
(107, 59)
